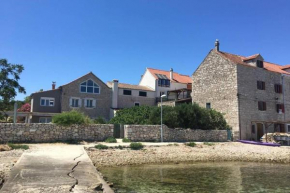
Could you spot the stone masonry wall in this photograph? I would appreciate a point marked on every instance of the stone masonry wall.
(215, 82)
(42, 133)
(152, 133)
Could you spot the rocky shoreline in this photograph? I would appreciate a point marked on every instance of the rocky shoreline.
(173, 153)
(7, 161)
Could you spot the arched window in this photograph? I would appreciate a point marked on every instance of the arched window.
(90, 86)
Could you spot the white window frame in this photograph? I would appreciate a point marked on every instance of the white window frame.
(90, 86)
(94, 102)
(45, 118)
(71, 102)
(50, 99)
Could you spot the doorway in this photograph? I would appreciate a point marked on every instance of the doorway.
(260, 131)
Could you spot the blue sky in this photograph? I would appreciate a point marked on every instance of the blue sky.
(63, 40)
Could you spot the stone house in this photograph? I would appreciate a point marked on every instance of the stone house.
(88, 94)
(252, 93)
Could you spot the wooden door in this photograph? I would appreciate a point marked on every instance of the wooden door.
(260, 131)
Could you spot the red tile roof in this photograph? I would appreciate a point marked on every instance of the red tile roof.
(130, 86)
(251, 57)
(176, 77)
(267, 65)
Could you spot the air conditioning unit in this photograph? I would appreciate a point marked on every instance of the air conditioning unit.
(280, 111)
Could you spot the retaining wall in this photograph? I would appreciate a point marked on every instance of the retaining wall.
(42, 133)
(152, 133)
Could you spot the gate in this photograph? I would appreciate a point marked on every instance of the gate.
(118, 131)
(229, 135)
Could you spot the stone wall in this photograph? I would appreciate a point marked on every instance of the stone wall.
(152, 133)
(42, 133)
(215, 82)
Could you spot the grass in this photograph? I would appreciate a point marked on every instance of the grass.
(174, 144)
(136, 146)
(190, 144)
(125, 140)
(208, 143)
(18, 146)
(100, 146)
(111, 140)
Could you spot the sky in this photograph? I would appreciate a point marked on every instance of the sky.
(117, 39)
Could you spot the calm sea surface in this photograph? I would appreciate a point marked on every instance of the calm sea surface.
(200, 177)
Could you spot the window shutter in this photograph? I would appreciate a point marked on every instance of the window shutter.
(80, 102)
(94, 103)
(283, 108)
(70, 102)
(265, 106)
(85, 102)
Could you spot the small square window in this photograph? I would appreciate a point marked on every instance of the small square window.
(262, 106)
(142, 93)
(208, 105)
(137, 104)
(83, 89)
(260, 64)
(89, 89)
(127, 92)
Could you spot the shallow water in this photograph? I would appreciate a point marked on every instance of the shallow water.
(200, 177)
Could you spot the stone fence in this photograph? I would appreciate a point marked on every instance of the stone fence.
(42, 133)
(152, 133)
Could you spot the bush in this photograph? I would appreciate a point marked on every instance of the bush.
(111, 140)
(100, 120)
(191, 144)
(208, 143)
(125, 140)
(136, 146)
(70, 118)
(18, 146)
(100, 146)
(181, 116)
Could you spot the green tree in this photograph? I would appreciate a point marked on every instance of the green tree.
(9, 86)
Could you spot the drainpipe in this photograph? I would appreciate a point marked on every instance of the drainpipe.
(283, 90)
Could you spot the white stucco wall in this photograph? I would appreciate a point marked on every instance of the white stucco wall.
(135, 93)
(148, 80)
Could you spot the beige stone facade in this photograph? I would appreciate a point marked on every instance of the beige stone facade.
(228, 84)
(103, 99)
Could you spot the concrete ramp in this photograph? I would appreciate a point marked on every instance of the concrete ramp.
(54, 168)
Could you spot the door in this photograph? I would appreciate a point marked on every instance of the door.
(116, 131)
(260, 131)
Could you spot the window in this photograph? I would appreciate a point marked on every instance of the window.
(162, 93)
(127, 92)
(280, 108)
(278, 88)
(75, 102)
(208, 105)
(262, 106)
(260, 64)
(142, 93)
(90, 103)
(260, 85)
(90, 86)
(44, 119)
(279, 127)
(288, 128)
(45, 101)
(137, 104)
(164, 82)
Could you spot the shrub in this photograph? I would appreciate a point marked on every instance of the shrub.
(18, 146)
(111, 140)
(125, 140)
(100, 146)
(136, 146)
(119, 147)
(181, 116)
(70, 118)
(100, 120)
(191, 144)
(208, 143)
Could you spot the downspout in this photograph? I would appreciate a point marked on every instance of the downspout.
(283, 90)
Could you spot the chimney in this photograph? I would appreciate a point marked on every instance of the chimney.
(115, 90)
(171, 73)
(217, 45)
(53, 85)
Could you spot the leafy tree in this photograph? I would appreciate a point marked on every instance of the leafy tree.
(9, 86)
(70, 118)
(27, 99)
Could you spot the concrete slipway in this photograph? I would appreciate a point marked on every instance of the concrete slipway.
(55, 168)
